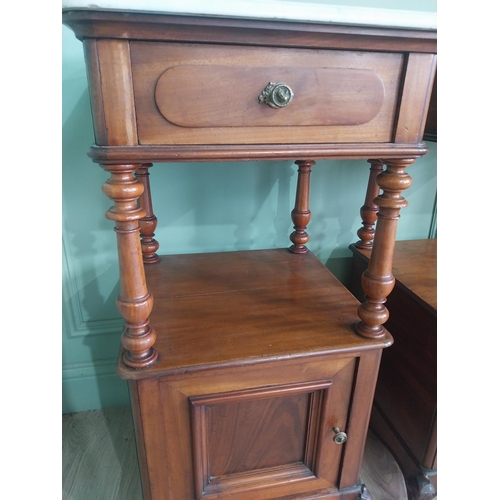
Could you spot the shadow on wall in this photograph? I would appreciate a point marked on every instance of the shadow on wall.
(92, 328)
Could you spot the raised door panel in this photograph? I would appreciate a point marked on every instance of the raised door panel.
(220, 96)
(237, 437)
(257, 438)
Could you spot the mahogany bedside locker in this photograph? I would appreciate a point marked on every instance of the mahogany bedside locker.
(251, 373)
(404, 414)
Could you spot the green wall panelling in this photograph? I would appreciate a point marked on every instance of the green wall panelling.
(200, 208)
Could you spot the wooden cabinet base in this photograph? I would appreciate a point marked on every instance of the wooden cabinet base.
(250, 411)
(198, 440)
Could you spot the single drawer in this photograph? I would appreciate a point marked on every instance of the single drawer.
(216, 94)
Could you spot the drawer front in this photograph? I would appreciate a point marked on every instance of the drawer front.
(209, 94)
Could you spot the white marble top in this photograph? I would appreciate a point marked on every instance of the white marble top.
(419, 14)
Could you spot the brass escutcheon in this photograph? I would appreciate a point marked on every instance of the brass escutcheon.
(276, 95)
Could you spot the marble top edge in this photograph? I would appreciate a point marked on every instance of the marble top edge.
(270, 10)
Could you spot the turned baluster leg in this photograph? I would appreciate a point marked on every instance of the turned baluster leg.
(369, 210)
(134, 302)
(301, 215)
(148, 223)
(378, 280)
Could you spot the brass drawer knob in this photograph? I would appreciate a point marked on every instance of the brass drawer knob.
(276, 95)
(339, 437)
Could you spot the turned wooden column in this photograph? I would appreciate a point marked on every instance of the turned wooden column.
(134, 302)
(148, 223)
(301, 215)
(369, 210)
(378, 280)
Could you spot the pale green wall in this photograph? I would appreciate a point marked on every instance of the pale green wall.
(200, 207)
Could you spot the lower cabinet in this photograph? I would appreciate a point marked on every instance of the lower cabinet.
(285, 429)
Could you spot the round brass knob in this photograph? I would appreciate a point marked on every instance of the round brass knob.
(276, 95)
(339, 437)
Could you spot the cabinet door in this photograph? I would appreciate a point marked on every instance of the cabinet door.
(246, 433)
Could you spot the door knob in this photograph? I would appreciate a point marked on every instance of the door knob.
(339, 437)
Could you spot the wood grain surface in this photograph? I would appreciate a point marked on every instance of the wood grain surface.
(208, 94)
(250, 306)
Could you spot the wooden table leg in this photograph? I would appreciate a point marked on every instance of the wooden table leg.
(369, 210)
(134, 302)
(148, 223)
(301, 215)
(378, 280)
